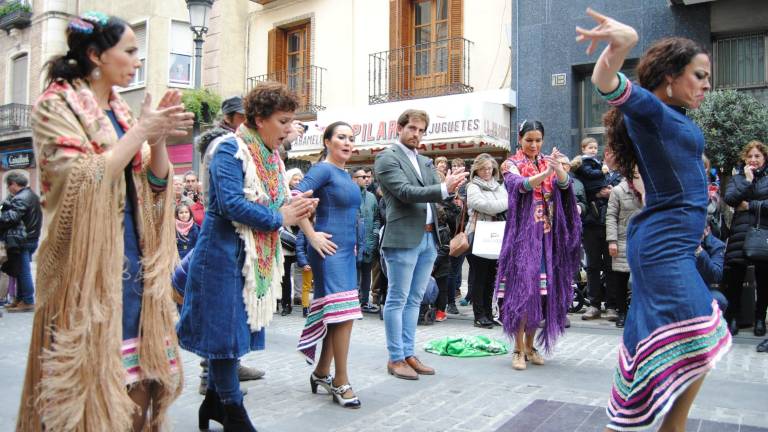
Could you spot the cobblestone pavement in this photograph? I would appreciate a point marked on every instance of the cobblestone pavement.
(477, 394)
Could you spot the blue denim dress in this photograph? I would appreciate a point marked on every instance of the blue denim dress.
(213, 322)
(674, 332)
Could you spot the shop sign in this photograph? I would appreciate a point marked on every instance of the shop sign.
(449, 129)
(18, 159)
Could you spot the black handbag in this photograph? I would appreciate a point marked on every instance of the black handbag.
(287, 239)
(756, 242)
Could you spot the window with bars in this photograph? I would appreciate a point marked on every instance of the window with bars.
(180, 60)
(740, 61)
(140, 30)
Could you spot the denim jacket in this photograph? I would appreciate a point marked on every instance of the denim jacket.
(213, 322)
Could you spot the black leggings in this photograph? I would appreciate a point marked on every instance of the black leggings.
(483, 276)
(287, 300)
(735, 278)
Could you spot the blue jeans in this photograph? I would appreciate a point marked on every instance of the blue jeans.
(454, 279)
(408, 271)
(223, 379)
(25, 284)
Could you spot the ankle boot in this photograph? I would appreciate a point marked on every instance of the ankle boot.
(236, 419)
(210, 409)
(733, 327)
(759, 327)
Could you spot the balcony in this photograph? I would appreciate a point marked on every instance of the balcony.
(14, 118)
(306, 81)
(419, 71)
(15, 15)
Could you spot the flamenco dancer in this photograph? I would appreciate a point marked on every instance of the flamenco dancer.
(674, 332)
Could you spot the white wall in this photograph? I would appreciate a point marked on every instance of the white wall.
(346, 32)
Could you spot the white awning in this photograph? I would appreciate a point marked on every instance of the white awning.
(458, 124)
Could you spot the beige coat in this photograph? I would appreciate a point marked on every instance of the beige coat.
(622, 205)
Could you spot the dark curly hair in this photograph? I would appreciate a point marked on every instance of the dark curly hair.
(666, 57)
(267, 98)
(618, 141)
(75, 64)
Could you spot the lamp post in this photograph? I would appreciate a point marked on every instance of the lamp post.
(199, 11)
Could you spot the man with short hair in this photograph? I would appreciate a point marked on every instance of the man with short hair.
(370, 235)
(410, 187)
(21, 210)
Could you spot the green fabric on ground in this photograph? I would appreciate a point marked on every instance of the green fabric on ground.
(466, 346)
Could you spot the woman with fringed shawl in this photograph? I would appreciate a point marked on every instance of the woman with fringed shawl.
(540, 250)
(103, 354)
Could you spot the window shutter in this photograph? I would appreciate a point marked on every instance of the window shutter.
(19, 76)
(400, 41)
(140, 30)
(276, 55)
(181, 38)
(456, 33)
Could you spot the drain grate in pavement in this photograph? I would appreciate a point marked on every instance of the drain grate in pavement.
(553, 416)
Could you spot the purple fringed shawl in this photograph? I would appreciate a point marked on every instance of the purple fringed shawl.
(520, 261)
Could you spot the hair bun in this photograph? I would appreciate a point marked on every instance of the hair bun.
(96, 17)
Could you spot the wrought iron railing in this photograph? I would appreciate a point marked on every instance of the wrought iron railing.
(14, 117)
(306, 81)
(417, 71)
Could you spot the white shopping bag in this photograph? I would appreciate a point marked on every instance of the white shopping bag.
(487, 240)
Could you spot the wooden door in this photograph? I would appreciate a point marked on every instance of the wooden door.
(430, 45)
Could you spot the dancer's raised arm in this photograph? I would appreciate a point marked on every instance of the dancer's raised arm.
(620, 37)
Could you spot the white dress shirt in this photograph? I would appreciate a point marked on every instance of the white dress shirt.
(415, 162)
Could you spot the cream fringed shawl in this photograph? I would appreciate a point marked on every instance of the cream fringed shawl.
(75, 379)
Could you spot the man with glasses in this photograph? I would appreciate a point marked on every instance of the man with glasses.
(369, 239)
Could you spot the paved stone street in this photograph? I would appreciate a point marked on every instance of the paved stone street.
(479, 394)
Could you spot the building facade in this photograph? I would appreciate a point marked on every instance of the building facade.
(554, 72)
(365, 61)
(34, 32)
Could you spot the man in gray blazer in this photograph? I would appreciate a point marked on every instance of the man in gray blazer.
(410, 185)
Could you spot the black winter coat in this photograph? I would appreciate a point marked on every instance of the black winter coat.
(23, 207)
(756, 194)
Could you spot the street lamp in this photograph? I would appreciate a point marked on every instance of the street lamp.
(199, 11)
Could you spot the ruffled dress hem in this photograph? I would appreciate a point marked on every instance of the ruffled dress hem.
(330, 309)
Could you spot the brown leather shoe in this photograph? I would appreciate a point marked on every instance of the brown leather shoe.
(21, 307)
(419, 367)
(402, 370)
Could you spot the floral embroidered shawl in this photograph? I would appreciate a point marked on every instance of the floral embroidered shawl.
(75, 379)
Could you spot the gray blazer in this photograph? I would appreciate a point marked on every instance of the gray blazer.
(406, 196)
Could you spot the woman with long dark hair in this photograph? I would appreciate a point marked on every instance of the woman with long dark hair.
(332, 257)
(674, 332)
(103, 354)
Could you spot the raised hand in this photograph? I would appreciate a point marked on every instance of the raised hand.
(300, 207)
(455, 178)
(157, 124)
(621, 38)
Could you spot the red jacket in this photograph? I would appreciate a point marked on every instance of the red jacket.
(198, 212)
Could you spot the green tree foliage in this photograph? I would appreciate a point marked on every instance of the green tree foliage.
(204, 103)
(729, 119)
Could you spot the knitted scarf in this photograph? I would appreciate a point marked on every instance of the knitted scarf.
(184, 227)
(264, 183)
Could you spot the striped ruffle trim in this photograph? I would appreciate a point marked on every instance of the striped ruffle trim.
(666, 363)
(331, 309)
(621, 94)
(130, 354)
